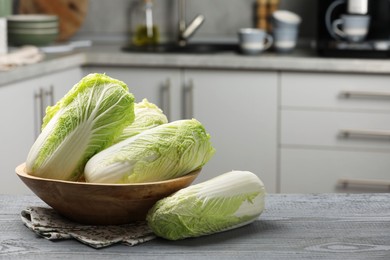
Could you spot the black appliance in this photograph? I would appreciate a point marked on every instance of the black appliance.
(377, 41)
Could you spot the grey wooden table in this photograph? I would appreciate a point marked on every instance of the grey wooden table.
(315, 226)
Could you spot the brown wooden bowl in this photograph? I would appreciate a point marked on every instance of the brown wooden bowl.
(102, 204)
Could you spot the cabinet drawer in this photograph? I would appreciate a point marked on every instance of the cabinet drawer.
(320, 90)
(319, 171)
(335, 129)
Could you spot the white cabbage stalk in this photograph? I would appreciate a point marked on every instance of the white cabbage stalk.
(160, 153)
(85, 121)
(147, 115)
(225, 202)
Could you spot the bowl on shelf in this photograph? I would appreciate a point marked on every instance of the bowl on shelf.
(102, 204)
(39, 30)
(37, 38)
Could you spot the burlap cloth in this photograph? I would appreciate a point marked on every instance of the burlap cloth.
(49, 224)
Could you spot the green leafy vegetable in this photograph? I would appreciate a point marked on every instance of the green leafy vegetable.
(160, 153)
(225, 202)
(147, 115)
(85, 121)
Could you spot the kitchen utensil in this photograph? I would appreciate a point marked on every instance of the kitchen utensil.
(37, 38)
(36, 30)
(71, 13)
(353, 28)
(254, 41)
(353, 44)
(102, 204)
(32, 19)
(285, 39)
(285, 30)
(357, 6)
(284, 18)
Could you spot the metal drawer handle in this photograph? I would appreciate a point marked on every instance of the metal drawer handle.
(344, 182)
(43, 98)
(39, 105)
(357, 93)
(365, 132)
(50, 94)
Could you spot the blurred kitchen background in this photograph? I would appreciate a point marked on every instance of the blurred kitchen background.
(106, 20)
(313, 119)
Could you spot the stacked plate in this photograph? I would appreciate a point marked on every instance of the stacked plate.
(31, 29)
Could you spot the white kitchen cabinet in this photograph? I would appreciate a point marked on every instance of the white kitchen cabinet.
(237, 108)
(333, 91)
(328, 129)
(159, 86)
(18, 131)
(306, 170)
(334, 127)
(21, 115)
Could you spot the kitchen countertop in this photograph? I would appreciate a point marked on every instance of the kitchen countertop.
(293, 226)
(304, 60)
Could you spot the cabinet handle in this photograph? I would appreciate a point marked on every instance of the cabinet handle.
(365, 132)
(345, 182)
(189, 100)
(166, 98)
(360, 94)
(42, 103)
(40, 109)
(50, 94)
(43, 98)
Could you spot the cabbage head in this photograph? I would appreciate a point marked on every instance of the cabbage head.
(226, 202)
(85, 121)
(147, 115)
(164, 152)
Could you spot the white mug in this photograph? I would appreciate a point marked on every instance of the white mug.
(285, 39)
(354, 27)
(254, 41)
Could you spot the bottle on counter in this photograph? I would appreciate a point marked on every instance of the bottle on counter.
(145, 31)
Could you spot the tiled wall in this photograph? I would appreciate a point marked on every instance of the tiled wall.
(223, 17)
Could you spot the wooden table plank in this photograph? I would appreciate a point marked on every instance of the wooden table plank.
(293, 226)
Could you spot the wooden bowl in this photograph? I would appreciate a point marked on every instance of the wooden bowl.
(102, 204)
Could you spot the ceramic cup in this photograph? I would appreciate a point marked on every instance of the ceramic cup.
(285, 39)
(353, 28)
(254, 41)
(285, 19)
(285, 29)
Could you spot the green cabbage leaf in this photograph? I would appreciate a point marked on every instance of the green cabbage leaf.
(85, 121)
(164, 152)
(147, 115)
(228, 201)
